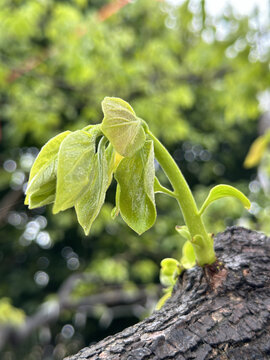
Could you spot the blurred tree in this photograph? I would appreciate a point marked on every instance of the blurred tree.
(194, 78)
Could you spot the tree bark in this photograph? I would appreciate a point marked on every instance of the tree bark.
(219, 312)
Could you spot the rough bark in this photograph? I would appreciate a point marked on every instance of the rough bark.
(215, 313)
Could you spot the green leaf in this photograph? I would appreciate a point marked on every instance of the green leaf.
(135, 176)
(169, 272)
(42, 179)
(188, 259)
(164, 298)
(170, 269)
(221, 191)
(256, 151)
(116, 209)
(44, 196)
(183, 231)
(75, 161)
(89, 204)
(121, 126)
(110, 158)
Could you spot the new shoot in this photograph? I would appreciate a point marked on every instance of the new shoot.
(75, 169)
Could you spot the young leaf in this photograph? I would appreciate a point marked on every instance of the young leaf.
(89, 204)
(256, 151)
(75, 161)
(170, 269)
(221, 191)
(121, 126)
(165, 297)
(110, 158)
(188, 259)
(116, 209)
(135, 176)
(42, 179)
(44, 196)
(117, 160)
(183, 231)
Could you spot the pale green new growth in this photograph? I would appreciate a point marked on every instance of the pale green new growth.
(165, 297)
(135, 198)
(171, 269)
(42, 179)
(121, 126)
(89, 205)
(76, 168)
(257, 150)
(188, 259)
(183, 231)
(221, 191)
(158, 188)
(75, 162)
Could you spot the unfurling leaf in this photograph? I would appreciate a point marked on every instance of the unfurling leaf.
(221, 191)
(188, 259)
(117, 160)
(116, 209)
(170, 269)
(135, 176)
(44, 196)
(75, 161)
(256, 151)
(169, 266)
(89, 204)
(42, 179)
(121, 126)
(183, 231)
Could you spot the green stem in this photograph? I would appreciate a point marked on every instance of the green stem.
(161, 189)
(202, 242)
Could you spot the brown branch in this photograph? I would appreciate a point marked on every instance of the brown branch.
(225, 315)
(108, 10)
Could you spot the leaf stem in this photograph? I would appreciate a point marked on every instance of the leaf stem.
(162, 189)
(202, 242)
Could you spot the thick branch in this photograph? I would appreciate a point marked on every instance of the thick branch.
(220, 312)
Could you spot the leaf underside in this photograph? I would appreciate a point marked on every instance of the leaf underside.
(135, 176)
(42, 179)
(75, 163)
(89, 204)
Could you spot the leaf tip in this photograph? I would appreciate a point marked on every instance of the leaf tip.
(86, 231)
(114, 213)
(248, 206)
(55, 209)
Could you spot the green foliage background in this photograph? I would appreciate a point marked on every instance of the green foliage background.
(193, 78)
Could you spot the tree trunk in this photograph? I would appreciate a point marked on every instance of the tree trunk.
(219, 312)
